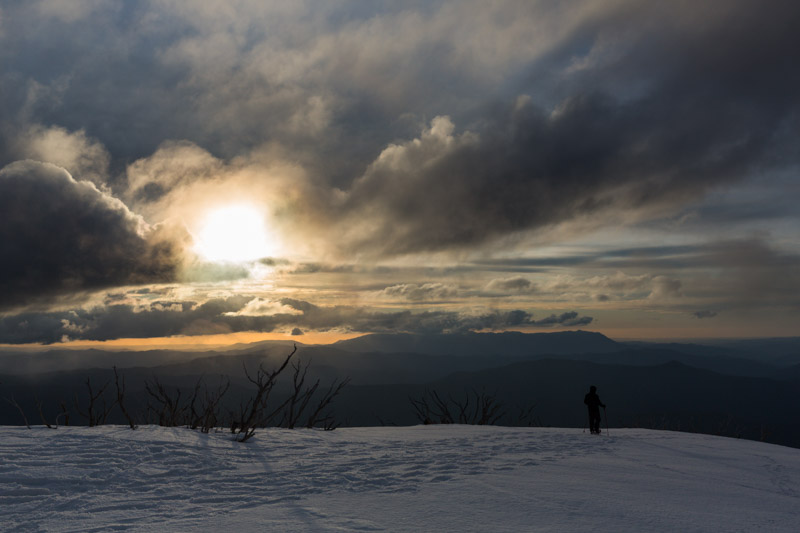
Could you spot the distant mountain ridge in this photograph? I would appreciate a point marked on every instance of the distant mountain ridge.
(510, 343)
(668, 386)
(404, 355)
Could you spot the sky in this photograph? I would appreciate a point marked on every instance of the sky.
(189, 172)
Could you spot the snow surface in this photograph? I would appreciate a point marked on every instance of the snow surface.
(423, 478)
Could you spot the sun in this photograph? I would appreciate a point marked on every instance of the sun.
(234, 233)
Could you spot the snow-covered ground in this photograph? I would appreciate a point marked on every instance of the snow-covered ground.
(424, 478)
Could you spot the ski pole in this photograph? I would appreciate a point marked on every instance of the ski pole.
(606, 417)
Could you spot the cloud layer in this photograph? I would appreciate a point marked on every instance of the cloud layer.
(234, 314)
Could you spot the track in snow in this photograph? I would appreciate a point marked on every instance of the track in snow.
(415, 478)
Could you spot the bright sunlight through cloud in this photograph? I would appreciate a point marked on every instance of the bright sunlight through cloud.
(233, 233)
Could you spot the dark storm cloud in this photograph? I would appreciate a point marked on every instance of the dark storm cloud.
(58, 235)
(679, 108)
(632, 104)
(596, 154)
(704, 314)
(223, 315)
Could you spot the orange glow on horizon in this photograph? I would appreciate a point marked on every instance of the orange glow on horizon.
(196, 342)
(226, 340)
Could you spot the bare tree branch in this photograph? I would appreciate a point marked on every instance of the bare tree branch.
(13, 402)
(167, 408)
(252, 413)
(121, 399)
(326, 420)
(94, 415)
(41, 412)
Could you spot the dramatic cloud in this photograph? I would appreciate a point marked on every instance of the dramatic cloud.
(547, 113)
(59, 235)
(586, 158)
(525, 155)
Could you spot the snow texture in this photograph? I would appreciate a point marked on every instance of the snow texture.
(423, 478)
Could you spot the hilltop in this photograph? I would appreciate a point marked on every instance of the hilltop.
(420, 478)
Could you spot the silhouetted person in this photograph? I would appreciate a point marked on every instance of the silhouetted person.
(592, 401)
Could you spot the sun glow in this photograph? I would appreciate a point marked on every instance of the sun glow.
(234, 233)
